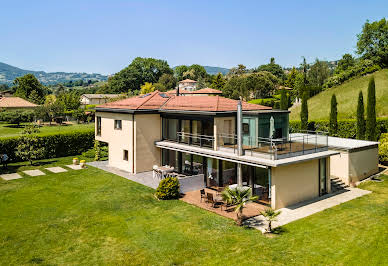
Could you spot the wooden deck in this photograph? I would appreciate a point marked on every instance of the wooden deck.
(251, 209)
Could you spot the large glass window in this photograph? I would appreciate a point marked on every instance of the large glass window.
(170, 128)
(212, 173)
(197, 164)
(208, 130)
(196, 130)
(170, 157)
(185, 128)
(229, 173)
(322, 177)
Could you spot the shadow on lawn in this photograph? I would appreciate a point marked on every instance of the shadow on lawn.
(13, 168)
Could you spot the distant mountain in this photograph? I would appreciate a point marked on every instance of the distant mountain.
(215, 70)
(8, 73)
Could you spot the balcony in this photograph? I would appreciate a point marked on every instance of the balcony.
(296, 144)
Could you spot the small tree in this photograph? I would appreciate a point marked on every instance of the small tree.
(304, 112)
(370, 133)
(29, 147)
(360, 117)
(271, 216)
(333, 126)
(283, 100)
(97, 150)
(239, 197)
(168, 189)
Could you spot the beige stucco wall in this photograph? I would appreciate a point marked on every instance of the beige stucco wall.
(118, 140)
(219, 129)
(363, 164)
(339, 166)
(148, 130)
(295, 183)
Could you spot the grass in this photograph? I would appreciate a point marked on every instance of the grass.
(93, 217)
(7, 130)
(347, 97)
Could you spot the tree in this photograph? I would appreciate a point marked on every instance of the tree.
(97, 150)
(283, 100)
(238, 196)
(194, 72)
(304, 112)
(29, 147)
(271, 216)
(333, 124)
(69, 100)
(273, 68)
(179, 70)
(360, 117)
(235, 87)
(291, 78)
(318, 73)
(168, 81)
(261, 84)
(346, 62)
(237, 71)
(370, 132)
(147, 88)
(218, 82)
(140, 70)
(25, 85)
(373, 42)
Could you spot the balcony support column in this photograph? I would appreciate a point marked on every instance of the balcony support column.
(239, 175)
(239, 142)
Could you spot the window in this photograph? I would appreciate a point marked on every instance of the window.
(117, 124)
(245, 128)
(98, 125)
(125, 155)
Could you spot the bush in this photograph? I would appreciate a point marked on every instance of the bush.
(168, 189)
(347, 128)
(56, 145)
(17, 117)
(383, 149)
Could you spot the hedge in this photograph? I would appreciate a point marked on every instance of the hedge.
(383, 149)
(55, 144)
(346, 127)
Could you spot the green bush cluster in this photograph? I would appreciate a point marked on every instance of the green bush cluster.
(347, 128)
(383, 148)
(55, 144)
(17, 117)
(168, 189)
(363, 67)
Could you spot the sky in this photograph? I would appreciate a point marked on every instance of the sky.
(105, 36)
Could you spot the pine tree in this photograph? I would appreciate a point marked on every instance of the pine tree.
(360, 117)
(333, 126)
(283, 100)
(218, 82)
(304, 113)
(370, 133)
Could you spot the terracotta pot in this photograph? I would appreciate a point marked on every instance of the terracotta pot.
(75, 161)
(82, 165)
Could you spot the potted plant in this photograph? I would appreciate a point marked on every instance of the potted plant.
(75, 161)
(82, 163)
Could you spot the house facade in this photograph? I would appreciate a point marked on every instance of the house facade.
(227, 142)
(94, 99)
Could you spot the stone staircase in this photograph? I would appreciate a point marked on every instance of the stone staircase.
(337, 184)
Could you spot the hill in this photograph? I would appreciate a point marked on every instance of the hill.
(8, 73)
(215, 70)
(347, 96)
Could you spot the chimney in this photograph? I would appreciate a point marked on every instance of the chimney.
(177, 91)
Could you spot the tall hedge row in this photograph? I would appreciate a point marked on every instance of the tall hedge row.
(55, 144)
(347, 128)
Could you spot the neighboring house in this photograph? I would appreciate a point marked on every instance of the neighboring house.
(201, 92)
(15, 103)
(187, 84)
(95, 99)
(7, 93)
(213, 137)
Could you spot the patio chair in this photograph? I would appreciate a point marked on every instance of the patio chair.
(210, 199)
(203, 194)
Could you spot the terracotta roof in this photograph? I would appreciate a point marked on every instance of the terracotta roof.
(208, 91)
(187, 81)
(15, 102)
(100, 96)
(164, 101)
(181, 91)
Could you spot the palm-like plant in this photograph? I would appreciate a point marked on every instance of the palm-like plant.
(271, 216)
(238, 196)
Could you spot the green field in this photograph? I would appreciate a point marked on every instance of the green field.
(7, 130)
(92, 217)
(347, 96)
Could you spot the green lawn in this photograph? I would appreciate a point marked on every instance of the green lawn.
(7, 130)
(95, 218)
(347, 97)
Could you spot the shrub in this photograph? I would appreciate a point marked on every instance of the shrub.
(55, 145)
(383, 149)
(17, 117)
(168, 189)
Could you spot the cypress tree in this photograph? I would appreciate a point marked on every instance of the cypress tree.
(333, 126)
(360, 117)
(304, 112)
(283, 100)
(370, 133)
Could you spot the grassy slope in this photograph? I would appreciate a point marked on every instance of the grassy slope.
(347, 96)
(93, 217)
(9, 131)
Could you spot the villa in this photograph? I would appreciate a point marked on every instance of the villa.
(216, 142)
